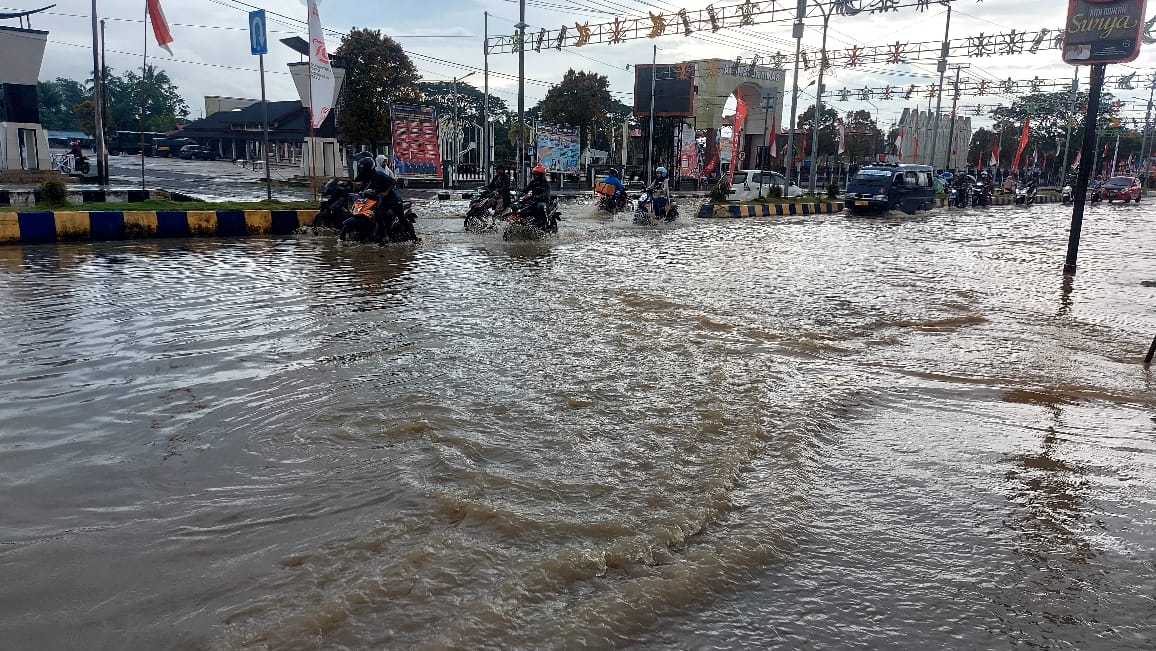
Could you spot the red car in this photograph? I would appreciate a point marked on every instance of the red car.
(1124, 188)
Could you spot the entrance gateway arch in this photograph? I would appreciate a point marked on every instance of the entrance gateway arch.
(700, 90)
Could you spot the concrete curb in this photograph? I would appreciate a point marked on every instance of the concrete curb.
(30, 197)
(729, 211)
(66, 226)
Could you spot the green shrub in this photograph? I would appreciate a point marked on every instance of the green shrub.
(720, 192)
(54, 193)
(833, 190)
(775, 192)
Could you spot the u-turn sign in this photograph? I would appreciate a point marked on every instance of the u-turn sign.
(258, 41)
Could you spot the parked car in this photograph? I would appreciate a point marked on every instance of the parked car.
(751, 184)
(1124, 188)
(197, 152)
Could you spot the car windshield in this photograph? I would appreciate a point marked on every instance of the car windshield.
(1120, 181)
(873, 175)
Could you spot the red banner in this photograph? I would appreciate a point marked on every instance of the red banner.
(1023, 143)
(736, 137)
(415, 140)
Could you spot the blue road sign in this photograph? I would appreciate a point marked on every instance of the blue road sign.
(258, 41)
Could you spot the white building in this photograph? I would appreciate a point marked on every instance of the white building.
(23, 142)
(916, 130)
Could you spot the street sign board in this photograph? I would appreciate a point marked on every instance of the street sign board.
(1103, 31)
(258, 39)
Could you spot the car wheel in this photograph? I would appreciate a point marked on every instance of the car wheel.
(1138, 198)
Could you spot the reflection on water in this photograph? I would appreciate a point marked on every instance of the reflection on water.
(815, 432)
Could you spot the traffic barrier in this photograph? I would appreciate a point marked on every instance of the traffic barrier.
(768, 209)
(66, 226)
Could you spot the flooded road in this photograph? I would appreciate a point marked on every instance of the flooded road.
(796, 433)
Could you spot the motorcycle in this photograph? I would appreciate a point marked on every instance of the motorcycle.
(484, 212)
(335, 203)
(613, 203)
(1025, 194)
(644, 212)
(1096, 195)
(959, 196)
(980, 195)
(365, 225)
(1067, 194)
(525, 224)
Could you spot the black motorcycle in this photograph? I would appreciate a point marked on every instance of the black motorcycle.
(335, 204)
(484, 212)
(644, 210)
(367, 225)
(525, 222)
(613, 203)
(980, 195)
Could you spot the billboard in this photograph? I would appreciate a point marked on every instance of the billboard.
(673, 90)
(415, 140)
(1103, 31)
(558, 148)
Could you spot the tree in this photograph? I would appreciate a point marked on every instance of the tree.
(58, 99)
(441, 96)
(582, 99)
(828, 133)
(863, 135)
(377, 73)
(1051, 113)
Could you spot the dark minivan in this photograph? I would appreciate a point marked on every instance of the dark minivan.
(882, 187)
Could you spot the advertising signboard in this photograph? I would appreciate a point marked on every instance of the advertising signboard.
(1103, 31)
(415, 140)
(559, 148)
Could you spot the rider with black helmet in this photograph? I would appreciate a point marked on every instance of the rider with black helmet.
(380, 182)
(500, 183)
(538, 190)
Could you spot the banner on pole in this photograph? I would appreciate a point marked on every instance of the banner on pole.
(559, 148)
(415, 140)
(321, 84)
(1103, 31)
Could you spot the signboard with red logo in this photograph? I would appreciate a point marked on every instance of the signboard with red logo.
(1103, 31)
(415, 140)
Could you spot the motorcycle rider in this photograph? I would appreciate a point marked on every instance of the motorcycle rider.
(500, 183)
(988, 183)
(538, 190)
(660, 191)
(383, 184)
(79, 164)
(619, 189)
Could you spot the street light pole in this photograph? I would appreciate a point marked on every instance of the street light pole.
(456, 146)
(797, 34)
(97, 104)
(521, 26)
(819, 99)
(943, 52)
(486, 101)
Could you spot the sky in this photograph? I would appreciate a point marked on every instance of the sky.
(444, 38)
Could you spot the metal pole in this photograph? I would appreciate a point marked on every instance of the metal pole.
(521, 93)
(455, 145)
(797, 34)
(1068, 137)
(98, 104)
(486, 101)
(1095, 84)
(265, 130)
(1147, 116)
(943, 51)
(819, 101)
(650, 129)
(143, 89)
(951, 127)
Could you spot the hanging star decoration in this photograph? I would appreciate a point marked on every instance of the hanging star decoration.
(714, 20)
(1034, 84)
(583, 34)
(616, 30)
(866, 94)
(777, 60)
(887, 92)
(685, 22)
(896, 52)
(748, 10)
(843, 95)
(1008, 86)
(657, 25)
(541, 39)
(561, 38)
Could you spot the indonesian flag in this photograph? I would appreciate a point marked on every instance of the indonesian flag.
(994, 160)
(899, 144)
(915, 154)
(772, 136)
(842, 137)
(736, 138)
(160, 25)
(1076, 163)
(1023, 144)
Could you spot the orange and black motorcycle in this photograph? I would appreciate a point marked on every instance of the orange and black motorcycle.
(371, 223)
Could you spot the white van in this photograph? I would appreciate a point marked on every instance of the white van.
(751, 184)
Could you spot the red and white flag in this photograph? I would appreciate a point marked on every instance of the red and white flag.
(772, 135)
(321, 85)
(842, 137)
(160, 25)
(994, 161)
(899, 144)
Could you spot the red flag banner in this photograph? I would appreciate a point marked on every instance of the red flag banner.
(160, 25)
(1023, 144)
(772, 137)
(994, 155)
(736, 136)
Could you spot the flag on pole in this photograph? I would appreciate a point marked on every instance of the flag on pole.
(915, 155)
(1023, 144)
(842, 137)
(994, 160)
(1076, 163)
(321, 72)
(899, 144)
(160, 25)
(772, 137)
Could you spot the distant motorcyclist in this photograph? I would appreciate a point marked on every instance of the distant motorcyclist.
(381, 183)
(660, 191)
(613, 181)
(500, 183)
(79, 164)
(537, 193)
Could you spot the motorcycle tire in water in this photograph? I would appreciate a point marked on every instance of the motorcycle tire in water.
(356, 229)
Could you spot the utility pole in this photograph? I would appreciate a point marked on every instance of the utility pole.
(951, 127)
(1071, 111)
(1144, 144)
(819, 98)
(521, 26)
(768, 108)
(1095, 83)
(797, 34)
(97, 103)
(486, 101)
(942, 67)
(650, 130)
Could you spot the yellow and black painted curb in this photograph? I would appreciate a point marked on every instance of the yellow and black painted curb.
(769, 209)
(65, 226)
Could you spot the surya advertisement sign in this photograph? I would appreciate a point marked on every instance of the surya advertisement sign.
(1103, 31)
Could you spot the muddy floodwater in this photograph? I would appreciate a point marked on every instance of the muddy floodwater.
(793, 433)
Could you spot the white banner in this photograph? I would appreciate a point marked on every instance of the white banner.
(320, 72)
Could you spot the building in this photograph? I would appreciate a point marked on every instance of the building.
(23, 142)
(237, 134)
(916, 130)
